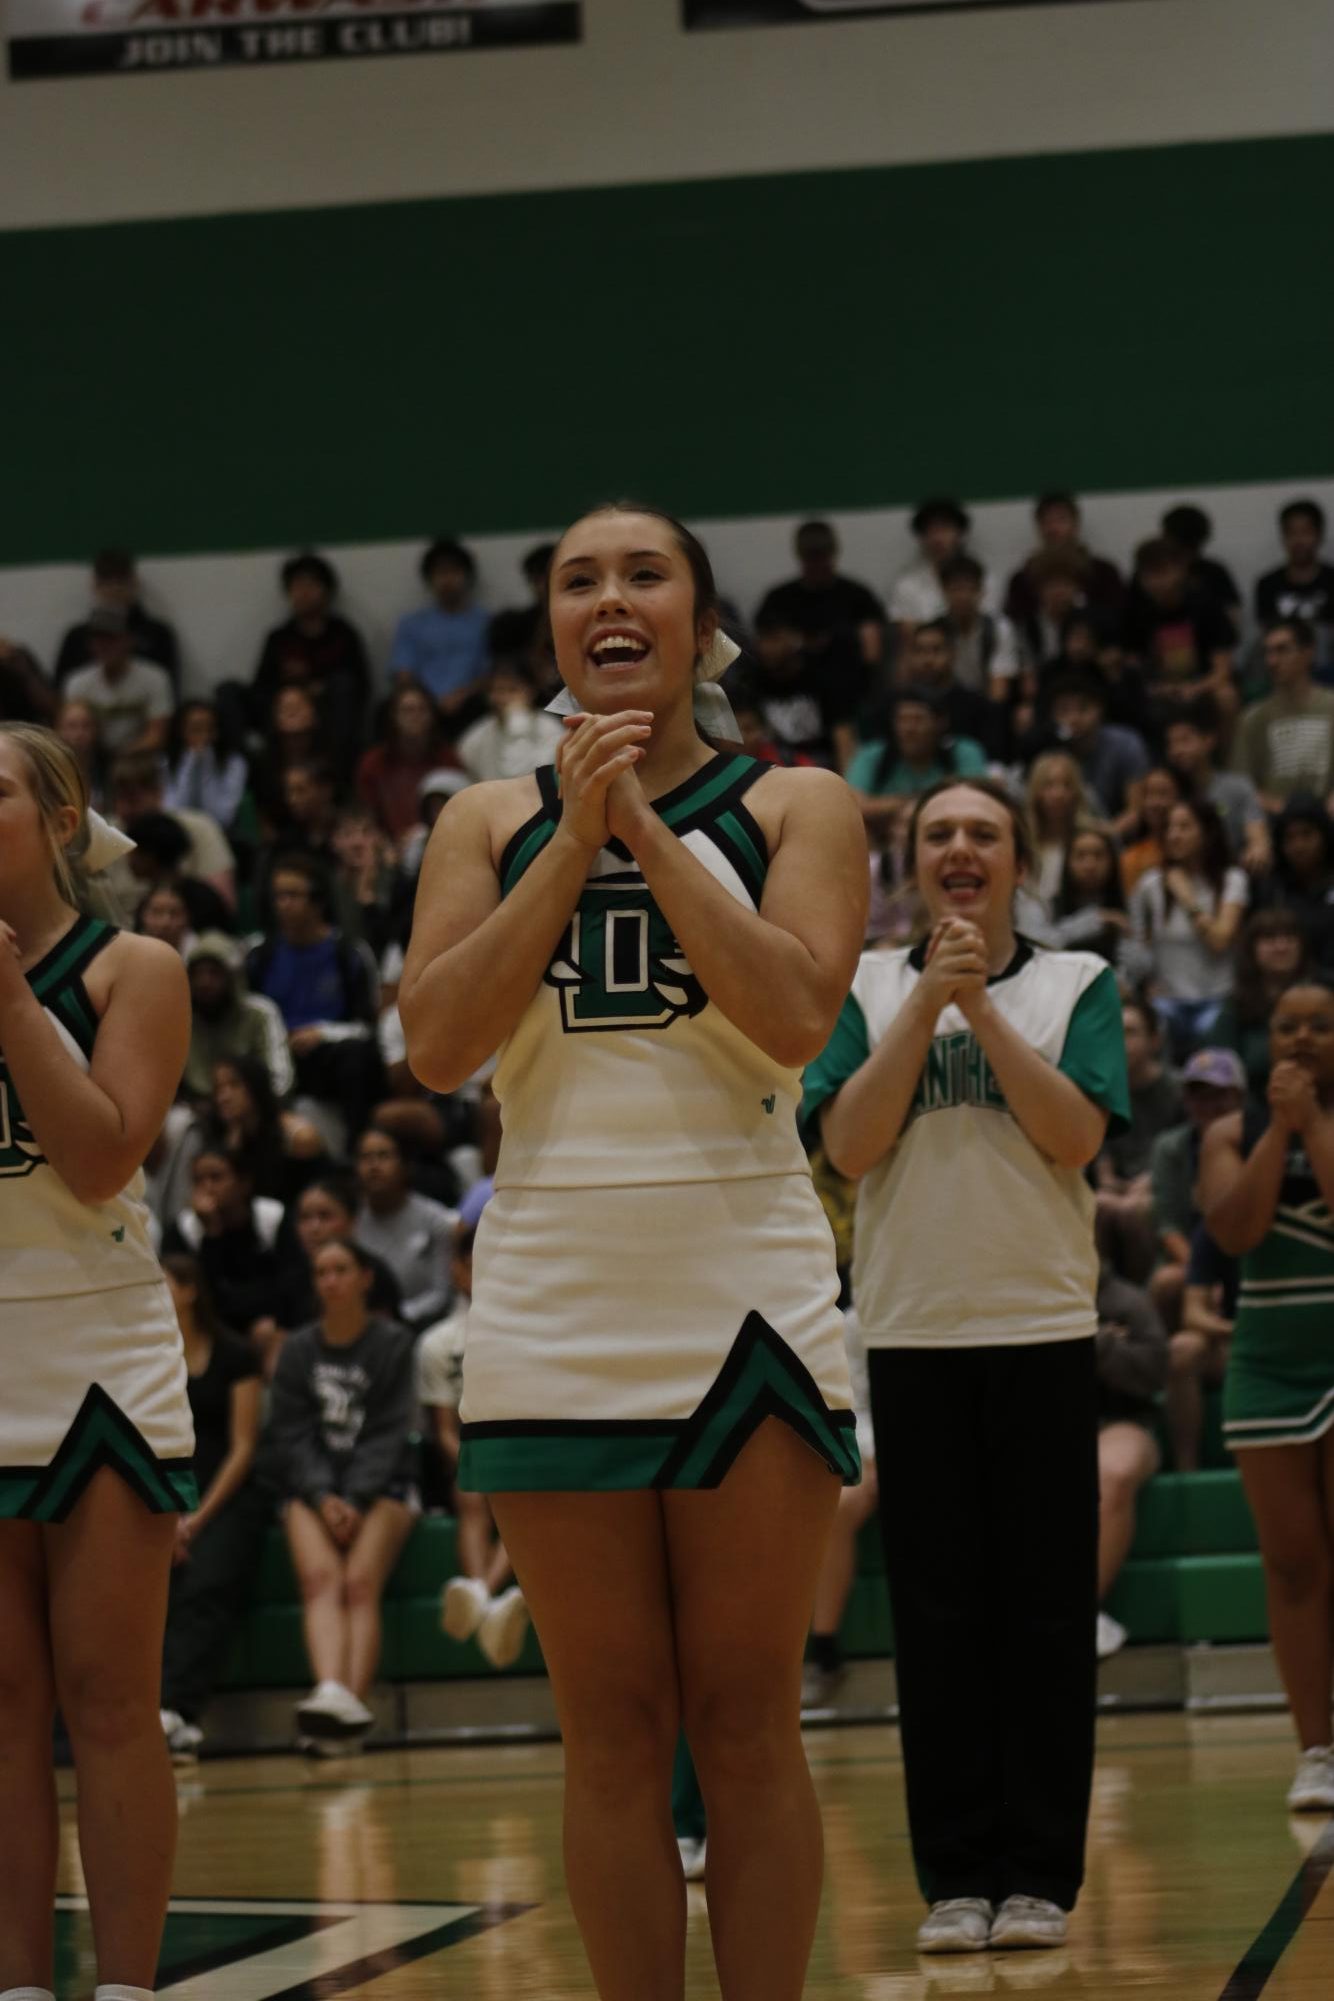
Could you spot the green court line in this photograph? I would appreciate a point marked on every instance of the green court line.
(1252, 1972)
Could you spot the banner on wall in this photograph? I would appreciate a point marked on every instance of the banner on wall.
(769, 13)
(54, 38)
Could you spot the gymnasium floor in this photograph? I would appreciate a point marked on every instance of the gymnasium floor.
(436, 1873)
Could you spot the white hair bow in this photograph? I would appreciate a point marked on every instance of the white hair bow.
(106, 845)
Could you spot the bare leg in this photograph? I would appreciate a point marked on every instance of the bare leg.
(108, 1568)
(475, 1535)
(319, 1566)
(856, 1505)
(1285, 1487)
(744, 1561)
(29, 1823)
(1127, 1456)
(593, 1568)
(1185, 1399)
(370, 1563)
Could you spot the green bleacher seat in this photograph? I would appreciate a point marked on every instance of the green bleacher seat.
(1193, 1575)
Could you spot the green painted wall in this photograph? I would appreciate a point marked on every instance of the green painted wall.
(1126, 319)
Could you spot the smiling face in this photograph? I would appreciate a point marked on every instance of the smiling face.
(1301, 1030)
(623, 616)
(964, 856)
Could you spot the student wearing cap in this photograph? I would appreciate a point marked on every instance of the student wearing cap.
(131, 698)
(1213, 1085)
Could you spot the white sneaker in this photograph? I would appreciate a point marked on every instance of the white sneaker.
(501, 1633)
(692, 1855)
(1028, 1921)
(1112, 1636)
(1312, 1791)
(183, 1739)
(330, 1710)
(957, 1924)
(464, 1606)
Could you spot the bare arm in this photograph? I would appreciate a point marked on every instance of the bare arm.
(1239, 1197)
(804, 940)
(1198, 1314)
(235, 1468)
(96, 1127)
(475, 962)
(1055, 1114)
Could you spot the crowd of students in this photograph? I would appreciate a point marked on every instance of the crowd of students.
(1172, 740)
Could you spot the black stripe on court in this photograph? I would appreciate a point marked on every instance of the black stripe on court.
(360, 1972)
(1251, 1974)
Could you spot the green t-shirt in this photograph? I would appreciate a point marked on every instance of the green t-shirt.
(901, 781)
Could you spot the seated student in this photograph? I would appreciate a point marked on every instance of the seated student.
(1190, 530)
(203, 774)
(1285, 743)
(218, 1546)
(825, 1666)
(410, 743)
(164, 912)
(294, 734)
(517, 736)
(315, 648)
(941, 526)
(411, 1233)
(1201, 1345)
(115, 587)
(1142, 842)
(1273, 952)
(1060, 531)
(927, 660)
(306, 826)
(808, 700)
(444, 645)
(1059, 806)
(326, 1213)
(343, 1407)
(481, 1602)
(1112, 760)
(520, 631)
(132, 699)
(913, 753)
(277, 1150)
(1192, 750)
(1302, 586)
(1125, 1230)
(985, 644)
(1132, 1368)
(1184, 645)
(159, 854)
(1054, 597)
(372, 899)
(1184, 919)
(233, 1233)
(227, 1024)
(828, 609)
(327, 991)
(1213, 1085)
(755, 738)
(138, 790)
(1089, 909)
(77, 726)
(1302, 877)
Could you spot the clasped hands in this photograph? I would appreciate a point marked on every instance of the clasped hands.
(956, 965)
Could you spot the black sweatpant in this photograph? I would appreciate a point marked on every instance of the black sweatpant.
(988, 1468)
(208, 1595)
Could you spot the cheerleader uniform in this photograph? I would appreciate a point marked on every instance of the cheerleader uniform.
(1279, 1388)
(94, 1368)
(654, 1275)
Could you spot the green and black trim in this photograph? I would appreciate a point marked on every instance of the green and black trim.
(760, 1378)
(101, 1435)
(57, 980)
(711, 798)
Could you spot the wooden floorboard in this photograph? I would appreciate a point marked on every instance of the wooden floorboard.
(436, 1873)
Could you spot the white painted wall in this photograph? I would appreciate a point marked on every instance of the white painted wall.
(223, 605)
(640, 100)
